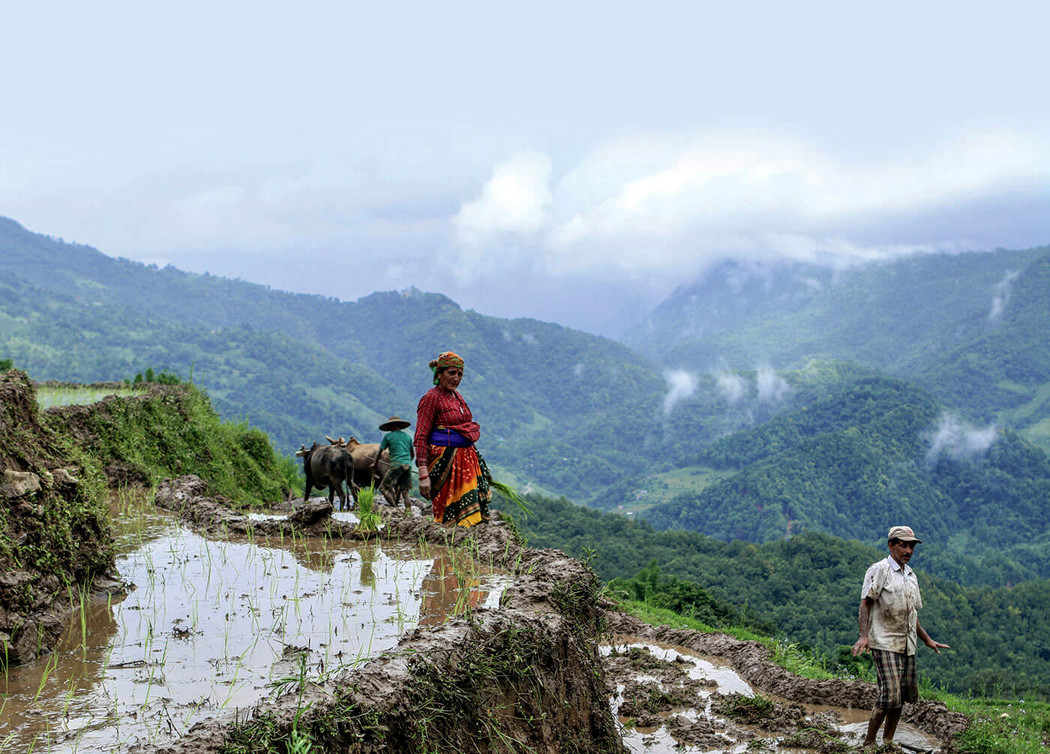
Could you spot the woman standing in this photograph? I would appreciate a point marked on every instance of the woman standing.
(452, 474)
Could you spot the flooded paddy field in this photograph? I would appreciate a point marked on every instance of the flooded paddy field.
(54, 394)
(213, 626)
(672, 699)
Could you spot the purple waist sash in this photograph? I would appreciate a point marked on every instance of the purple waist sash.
(448, 438)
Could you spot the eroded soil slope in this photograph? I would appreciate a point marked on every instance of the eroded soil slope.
(54, 533)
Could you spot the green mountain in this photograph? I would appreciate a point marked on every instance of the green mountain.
(1004, 372)
(832, 445)
(970, 327)
(877, 450)
(550, 399)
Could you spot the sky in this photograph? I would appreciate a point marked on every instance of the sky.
(572, 162)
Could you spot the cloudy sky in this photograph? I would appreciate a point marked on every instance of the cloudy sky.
(567, 161)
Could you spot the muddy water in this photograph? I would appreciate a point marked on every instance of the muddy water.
(213, 626)
(852, 723)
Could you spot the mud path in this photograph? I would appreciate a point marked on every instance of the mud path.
(753, 662)
(671, 699)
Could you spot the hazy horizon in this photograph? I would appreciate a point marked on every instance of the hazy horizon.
(574, 164)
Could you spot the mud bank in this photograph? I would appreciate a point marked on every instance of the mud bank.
(753, 662)
(55, 542)
(525, 676)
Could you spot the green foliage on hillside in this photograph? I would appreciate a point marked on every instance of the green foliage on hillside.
(664, 592)
(857, 460)
(170, 431)
(809, 587)
(895, 316)
(163, 377)
(1000, 372)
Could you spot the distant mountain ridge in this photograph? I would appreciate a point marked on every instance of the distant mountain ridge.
(890, 315)
(970, 327)
(301, 366)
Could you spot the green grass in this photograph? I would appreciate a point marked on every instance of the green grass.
(786, 655)
(662, 488)
(48, 396)
(175, 431)
(1001, 727)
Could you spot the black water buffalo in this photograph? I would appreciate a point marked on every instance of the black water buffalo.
(329, 466)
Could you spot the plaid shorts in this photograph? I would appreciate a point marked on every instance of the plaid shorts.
(897, 681)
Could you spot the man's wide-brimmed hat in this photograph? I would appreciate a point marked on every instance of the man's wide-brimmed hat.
(394, 423)
(903, 533)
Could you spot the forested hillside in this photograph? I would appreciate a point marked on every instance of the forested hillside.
(873, 450)
(1005, 371)
(970, 327)
(550, 400)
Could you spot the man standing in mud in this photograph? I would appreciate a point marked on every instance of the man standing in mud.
(889, 627)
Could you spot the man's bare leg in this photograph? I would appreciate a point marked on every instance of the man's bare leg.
(877, 716)
(893, 717)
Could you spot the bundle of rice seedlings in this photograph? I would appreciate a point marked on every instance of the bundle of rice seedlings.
(368, 518)
(511, 494)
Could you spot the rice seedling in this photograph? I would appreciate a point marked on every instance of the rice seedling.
(512, 495)
(346, 608)
(368, 515)
(49, 667)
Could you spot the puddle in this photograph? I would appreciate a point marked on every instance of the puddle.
(643, 672)
(213, 626)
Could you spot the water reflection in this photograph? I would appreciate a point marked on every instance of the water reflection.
(212, 626)
(451, 589)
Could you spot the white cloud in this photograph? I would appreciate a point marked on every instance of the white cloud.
(958, 439)
(681, 385)
(671, 203)
(772, 388)
(732, 386)
(1002, 295)
(514, 201)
